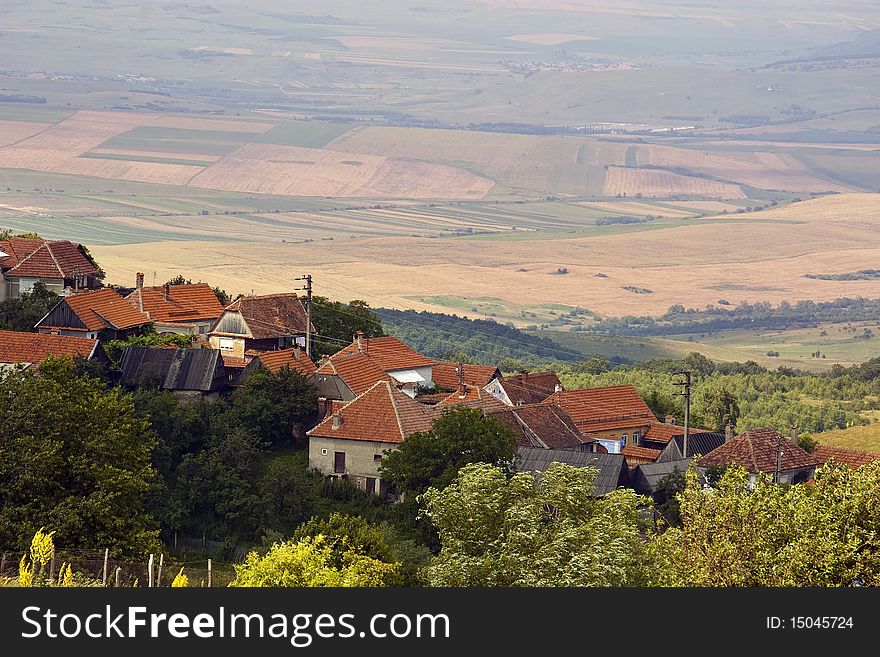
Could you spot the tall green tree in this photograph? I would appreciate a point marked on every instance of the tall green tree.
(337, 322)
(433, 458)
(519, 531)
(765, 534)
(715, 406)
(23, 313)
(75, 459)
(273, 404)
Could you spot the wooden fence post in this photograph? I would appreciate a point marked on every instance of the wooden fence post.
(52, 566)
(118, 576)
(209, 573)
(104, 571)
(2, 564)
(161, 563)
(150, 571)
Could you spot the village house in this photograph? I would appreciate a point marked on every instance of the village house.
(255, 324)
(63, 267)
(764, 451)
(843, 456)
(615, 416)
(524, 388)
(700, 442)
(449, 376)
(22, 350)
(544, 426)
(350, 442)
(188, 373)
(188, 309)
(294, 359)
(100, 313)
(411, 371)
(343, 377)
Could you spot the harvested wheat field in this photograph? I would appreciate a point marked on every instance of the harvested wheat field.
(756, 257)
(13, 131)
(656, 183)
(779, 171)
(294, 171)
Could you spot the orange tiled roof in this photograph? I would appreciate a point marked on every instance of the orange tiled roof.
(104, 308)
(445, 374)
(358, 371)
(185, 303)
(44, 259)
(596, 409)
(234, 361)
(755, 451)
(661, 432)
(382, 414)
(470, 393)
(636, 453)
(389, 353)
(541, 425)
(850, 457)
(18, 347)
(295, 359)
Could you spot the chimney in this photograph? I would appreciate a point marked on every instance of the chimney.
(793, 434)
(670, 419)
(557, 388)
(139, 280)
(337, 421)
(139, 288)
(728, 432)
(359, 338)
(166, 292)
(462, 389)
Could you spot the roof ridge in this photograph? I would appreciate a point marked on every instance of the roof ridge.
(396, 411)
(33, 253)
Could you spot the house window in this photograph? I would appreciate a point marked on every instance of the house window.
(227, 344)
(323, 452)
(339, 462)
(623, 439)
(377, 458)
(370, 485)
(636, 437)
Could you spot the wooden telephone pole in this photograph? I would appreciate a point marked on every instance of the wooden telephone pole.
(308, 290)
(686, 393)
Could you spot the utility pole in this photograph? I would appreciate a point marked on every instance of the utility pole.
(686, 393)
(778, 457)
(308, 289)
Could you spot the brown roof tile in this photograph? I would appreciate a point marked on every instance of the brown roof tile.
(358, 371)
(755, 450)
(529, 388)
(18, 347)
(661, 432)
(185, 303)
(541, 425)
(295, 359)
(604, 409)
(641, 454)
(389, 353)
(104, 308)
(44, 259)
(445, 374)
(381, 414)
(271, 315)
(850, 457)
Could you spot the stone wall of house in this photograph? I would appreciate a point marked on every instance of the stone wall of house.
(362, 459)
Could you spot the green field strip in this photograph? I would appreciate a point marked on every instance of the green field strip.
(15, 112)
(197, 147)
(305, 134)
(146, 158)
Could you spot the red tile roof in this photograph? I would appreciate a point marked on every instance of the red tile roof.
(389, 353)
(445, 374)
(18, 347)
(381, 414)
(104, 308)
(850, 457)
(603, 409)
(642, 454)
(358, 371)
(541, 425)
(233, 361)
(295, 359)
(529, 388)
(44, 259)
(470, 393)
(271, 315)
(755, 451)
(661, 432)
(185, 303)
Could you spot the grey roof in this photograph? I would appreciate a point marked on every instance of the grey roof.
(700, 443)
(612, 467)
(175, 369)
(646, 476)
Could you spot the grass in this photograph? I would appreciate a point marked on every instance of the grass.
(306, 134)
(501, 309)
(144, 158)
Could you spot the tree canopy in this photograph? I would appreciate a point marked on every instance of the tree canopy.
(523, 531)
(23, 313)
(337, 322)
(458, 437)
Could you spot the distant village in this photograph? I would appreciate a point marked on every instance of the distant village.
(374, 392)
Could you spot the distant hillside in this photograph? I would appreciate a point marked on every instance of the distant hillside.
(440, 336)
